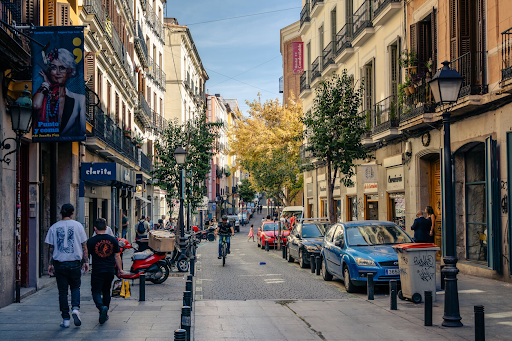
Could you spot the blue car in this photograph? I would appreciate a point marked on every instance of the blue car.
(352, 250)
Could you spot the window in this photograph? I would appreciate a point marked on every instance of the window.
(308, 51)
(321, 40)
(117, 109)
(396, 208)
(323, 208)
(393, 70)
(330, 233)
(338, 237)
(333, 24)
(63, 14)
(109, 97)
(421, 42)
(124, 116)
(100, 86)
(352, 208)
(368, 86)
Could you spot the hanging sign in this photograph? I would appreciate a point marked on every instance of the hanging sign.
(298, 57)
(369, 173)
(395, 178)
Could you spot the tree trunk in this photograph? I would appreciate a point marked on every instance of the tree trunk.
(330, 189)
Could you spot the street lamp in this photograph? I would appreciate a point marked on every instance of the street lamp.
(445, 86)
(21, 117)
(180, 155)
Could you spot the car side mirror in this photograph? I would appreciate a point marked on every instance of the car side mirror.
(297, 235)
(338, 243)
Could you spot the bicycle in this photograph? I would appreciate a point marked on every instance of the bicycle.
(224, 247)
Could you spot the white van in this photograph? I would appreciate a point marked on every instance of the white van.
(297, 211)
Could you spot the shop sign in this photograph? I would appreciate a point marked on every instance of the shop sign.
(369, 173)
(138, 179)
(395, 178)
(322, 188)
(298, 57)
(370, 187)
(98, 171)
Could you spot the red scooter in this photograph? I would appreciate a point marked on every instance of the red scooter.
(156, 265)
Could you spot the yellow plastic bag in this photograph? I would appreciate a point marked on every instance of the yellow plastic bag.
(123, 291)
(126, 289)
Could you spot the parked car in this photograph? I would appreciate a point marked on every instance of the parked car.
(242, 217)
(306, 240)
(235, 222)
(269, 232)
(353, 249)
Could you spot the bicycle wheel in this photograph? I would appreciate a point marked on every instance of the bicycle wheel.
(224, 252)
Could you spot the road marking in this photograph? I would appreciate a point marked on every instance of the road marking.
(199, 297)
(468, 291)
(259, 275)
(199, 289)
(273, 281)
(500, 315)
(199, 281)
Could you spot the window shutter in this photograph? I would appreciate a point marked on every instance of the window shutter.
(493, 205)
(63, 14)
(117, 108)
(394, 71)
(50, 12)
(413, 37)
(90, 68)
(433, 27)
(454, 53)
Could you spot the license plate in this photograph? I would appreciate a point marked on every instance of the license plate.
(392, 272)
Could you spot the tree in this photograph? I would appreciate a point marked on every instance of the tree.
(245, 190)
(266, 144)
(334, 129)
(198, 137)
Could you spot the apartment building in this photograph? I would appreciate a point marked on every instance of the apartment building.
(186, 76)
(374, 40)
(291, 81)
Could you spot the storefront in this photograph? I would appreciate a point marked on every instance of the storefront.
(322, 195)
(352, 200)
(371, 195)
(310, 199)
(396, 195)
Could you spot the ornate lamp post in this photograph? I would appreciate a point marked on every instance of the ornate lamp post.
(180, 155)
(445, 86)
(21, 118)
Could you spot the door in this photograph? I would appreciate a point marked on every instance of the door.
(338, 246)
(351, 208)
(371, 211)
(328, 247)
(435, 200)
(295, 241)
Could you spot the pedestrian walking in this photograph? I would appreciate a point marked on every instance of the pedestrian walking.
(432, 218)
(251, 233)
(124, 225)
(107, 231)
(105, 253)
(68, 256)
(421, 228)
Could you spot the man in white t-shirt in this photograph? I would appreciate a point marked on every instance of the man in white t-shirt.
(68, 256)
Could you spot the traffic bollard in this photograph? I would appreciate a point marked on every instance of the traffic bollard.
(392, 303)
(142, 287)
(180, 335)
(318, 265)
(186, 320)
(428, 308)
(442, 277)
(267, 247)
(284, 252)
(189, 277)
(371, 287)
(192, 265)
(479, 323)
(187, 299)
(312, 262)
(188, 286)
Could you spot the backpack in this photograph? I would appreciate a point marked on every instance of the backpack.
(140, 228)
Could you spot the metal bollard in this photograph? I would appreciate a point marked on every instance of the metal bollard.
(267, 247)
(189, 277)
(370, 286)
(186, 320)
(187, 299)
(284, 251)
(312, 262)
(142, 287)
(192, 265)
(188, 286)
(479, 323)
(392, 303)
(442, 277)
(428, 308)
(180, 335)
(318, 265)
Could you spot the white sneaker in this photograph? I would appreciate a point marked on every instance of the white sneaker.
(65, 323)
(76, 317)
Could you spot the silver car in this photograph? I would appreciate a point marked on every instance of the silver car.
(235, 222)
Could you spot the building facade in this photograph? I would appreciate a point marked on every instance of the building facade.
(291, 81)
(374, 42)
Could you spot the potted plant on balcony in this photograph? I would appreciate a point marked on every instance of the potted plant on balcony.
(409, 88)
(428, 66)
(392, 114)
(409, 61)
(127, 132)
(137, 141)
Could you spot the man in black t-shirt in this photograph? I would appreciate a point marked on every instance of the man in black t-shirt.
(104, 250)
(224, 228)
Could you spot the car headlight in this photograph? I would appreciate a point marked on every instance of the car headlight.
(364, 262)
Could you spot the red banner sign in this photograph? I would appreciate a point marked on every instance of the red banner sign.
(298, 57)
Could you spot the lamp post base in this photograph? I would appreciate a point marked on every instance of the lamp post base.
(183, 244)
(451, 315)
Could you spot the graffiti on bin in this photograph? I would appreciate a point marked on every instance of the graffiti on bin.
(425, 274)
(424, 261)
(403, 271)
(405, 259)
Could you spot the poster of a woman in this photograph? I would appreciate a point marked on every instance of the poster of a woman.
(59, 100)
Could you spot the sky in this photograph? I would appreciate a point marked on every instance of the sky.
(229, 48)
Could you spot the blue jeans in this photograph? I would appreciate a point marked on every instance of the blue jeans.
(228, 240)
(124, 232)
(68, 274)
(100, 284)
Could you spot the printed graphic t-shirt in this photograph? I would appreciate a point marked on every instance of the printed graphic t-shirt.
(103, 248)
(66, 236)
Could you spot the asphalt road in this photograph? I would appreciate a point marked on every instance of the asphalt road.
(244, 277)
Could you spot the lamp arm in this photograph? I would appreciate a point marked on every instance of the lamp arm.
(4, 145)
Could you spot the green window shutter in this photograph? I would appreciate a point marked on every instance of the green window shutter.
(493, 205)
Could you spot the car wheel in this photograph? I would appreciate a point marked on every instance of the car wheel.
(258, 242)
(325, 274)
(262, 244)
(401, 295)
(349, 286)
(302, 261)
(290, 258)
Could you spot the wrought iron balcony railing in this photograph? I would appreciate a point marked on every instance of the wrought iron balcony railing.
(418, 103)
(379, 5)
(385, 115)
(92, 104)
(506, 54)
(471, 66)
(151, 68)
(140, 46)
(362, 18)
(305, 14)
(344, 38)
(316, 68)
(106, 130)
(328, 55)
(304, 81)
(315, 2)
(96, 7)
(145, 163)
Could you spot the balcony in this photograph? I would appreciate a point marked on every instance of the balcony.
(306, 156)
(383, 10)
(92, 104)
(143, 112)
(316, 6)
(151, 68)
(386, 119)
(418, 108)
(150, 15)
(506, 57)
(316, 69)
(344, 43)
(328, 58)
(305, 19)
(305, 89)
(140, 47)
(145, 163)
(363, 26)
(95, 15)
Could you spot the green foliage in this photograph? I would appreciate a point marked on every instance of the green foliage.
(197, 136)
(408, 59)
(392, 111)
(368, 121)
(334, 129)
(245, 190)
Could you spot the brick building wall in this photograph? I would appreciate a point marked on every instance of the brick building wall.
(291, 81)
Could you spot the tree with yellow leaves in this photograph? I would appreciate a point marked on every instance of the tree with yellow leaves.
(266, 144)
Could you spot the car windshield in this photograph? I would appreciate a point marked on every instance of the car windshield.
(313, 230)
(270, 227)
(288, 214)
(368, 235)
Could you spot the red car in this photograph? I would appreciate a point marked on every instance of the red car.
(269, 232)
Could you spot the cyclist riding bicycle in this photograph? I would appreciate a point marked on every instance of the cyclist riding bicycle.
(224, 228)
